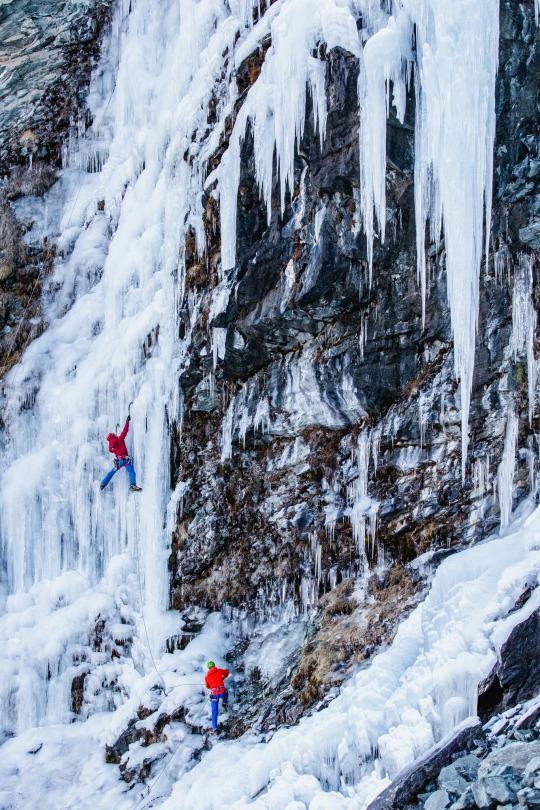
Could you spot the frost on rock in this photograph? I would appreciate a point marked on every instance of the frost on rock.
(302, 400)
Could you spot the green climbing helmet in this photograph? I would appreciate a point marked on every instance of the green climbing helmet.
(210, 664)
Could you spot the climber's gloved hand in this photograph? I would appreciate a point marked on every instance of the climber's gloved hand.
(128, 418)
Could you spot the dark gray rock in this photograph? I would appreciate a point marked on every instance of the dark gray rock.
(467, 766)
(465, 802)
(531, 776)
(500, 786)
(450, 780)
(482, 799)
(437, 801)
(529, 797)
(530, 718)
(515, 754)
(516, 676)
(47, 49)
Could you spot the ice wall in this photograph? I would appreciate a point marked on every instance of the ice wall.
(112, 301)
(131, 186)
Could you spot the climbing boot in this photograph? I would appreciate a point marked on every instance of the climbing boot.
(135, 488)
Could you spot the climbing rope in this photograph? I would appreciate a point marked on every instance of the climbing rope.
(141, 597)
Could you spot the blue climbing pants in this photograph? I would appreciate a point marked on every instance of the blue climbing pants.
(214, 701)
(118, 464)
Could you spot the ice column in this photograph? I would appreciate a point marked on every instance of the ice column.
(524, 324)
(117, 280)
(362, 507)
(455, 70)
(505, 473)
(455, 131)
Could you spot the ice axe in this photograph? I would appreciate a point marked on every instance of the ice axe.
(117, 429)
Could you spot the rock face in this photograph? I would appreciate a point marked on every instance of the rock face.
(47, 50)
(328, 435)
(516, 677)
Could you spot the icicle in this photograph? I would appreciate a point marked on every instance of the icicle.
(316, 551)
(261, 420)
(505, 474)
(244, 10)
(502, 261)
(453, 161)
(384, 58)
(331, 511)
(276, 104)
(524, 324)
(363, 510)
(227, 432)
(455, 130)
(422, 419)
(481, 477)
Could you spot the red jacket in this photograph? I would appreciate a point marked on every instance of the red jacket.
(214, 680)
(117, 444)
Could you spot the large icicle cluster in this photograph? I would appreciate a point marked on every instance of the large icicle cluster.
(275, 106)
(454, 138)
(454, 64)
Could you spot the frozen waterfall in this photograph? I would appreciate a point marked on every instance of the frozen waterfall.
(111, 305)
(132, 186)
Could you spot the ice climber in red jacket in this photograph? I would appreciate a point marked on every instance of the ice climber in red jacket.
(117, 446)
(214, 681)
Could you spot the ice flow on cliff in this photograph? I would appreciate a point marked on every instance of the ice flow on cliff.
(69, 554)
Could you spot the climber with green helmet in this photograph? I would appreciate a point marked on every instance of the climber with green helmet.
(214, 680)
